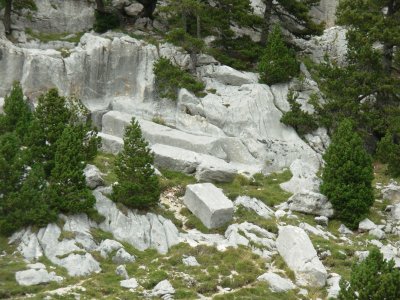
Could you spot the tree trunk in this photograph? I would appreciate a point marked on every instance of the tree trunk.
(266, 21)
(198, 26)
(100, 5)
(7, 17)
(193, 58)
(149, 7)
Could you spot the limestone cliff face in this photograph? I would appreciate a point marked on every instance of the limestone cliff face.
(57, 16)
(325, 12)
(115, 73)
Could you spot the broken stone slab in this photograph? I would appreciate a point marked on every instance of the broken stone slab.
(107, 246)
(163, 288)
(391, 192)
(228, 75)
(366, 225)
(35, 277)
(36, 266)
(311, 203)
(121, 271)
(255, 205)
(344, 230)
(123, 257)
(129, 283)
(143, 231)
(80, 264)
(296, 249)
(93, 176)
(304, 177)
(209, 204)
(204, 167)
(377, 233)
(190, 261)
(322, 220)
(333, 285)
(276, 283)
(111, 144)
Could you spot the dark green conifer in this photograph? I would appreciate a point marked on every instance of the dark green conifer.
(68, 191)
(347, 176)
(137, 186)
(373, 279)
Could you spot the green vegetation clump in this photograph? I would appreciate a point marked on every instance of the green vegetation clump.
(138, 185)
(302, 121)
(42, 157)
(278, 63)
(105, 20)
(373, 278)
(170, 78)
(347, 176)
(388, 151)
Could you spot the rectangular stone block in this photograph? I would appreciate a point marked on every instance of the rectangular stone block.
(209, 204)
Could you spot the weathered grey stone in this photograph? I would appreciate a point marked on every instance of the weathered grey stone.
(57, 16)
(333, 285)
(344, 230)
(36, 266)
(123, 257)
(163, 288)
(141, 231)
(304, 178)
(110, 143)
(190, 261)
(107, 246)
(366, 225)
(129, 283)
(395, 212)
(378, 233)
(362, 255)
(228, 75)
(28, 245)
(276, 283)
(205, 167)
(322, 220)
(255, 205)
(390, 252)
(134, 9)
(80, 265)
(35, 277)
(209, 204)
(121, 271)
(325, 12)
(295, 247)
(391, 192)
(93, 176)
(311, 203)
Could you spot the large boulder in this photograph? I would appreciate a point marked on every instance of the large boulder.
(276, 283)
(35, 277)
(228, 75)
(311, 203)
(143, 231)
(209, 204)
(304, 177)
(205, 167)
(295, 247)
(259, 207)
(93, 176)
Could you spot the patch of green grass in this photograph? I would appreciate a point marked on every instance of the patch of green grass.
(173, 179)
(264, 188)
(49, 37)
(105, 162)
(259, 291)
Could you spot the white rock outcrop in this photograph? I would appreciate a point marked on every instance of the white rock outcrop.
(311, 203)
(129, 283)
(35, 277)
(366, 225)
(295, 247)
(163, 288)
(276, 283)
(333, 285)
(209, 204)
(141, 231)
(255, 205)
(391, 192)
(93, 176)
(190, 261)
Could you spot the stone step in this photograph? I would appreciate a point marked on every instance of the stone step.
(110, 143)
(226, 148)
(205, 167)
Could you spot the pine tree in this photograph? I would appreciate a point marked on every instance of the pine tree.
(373, 279)
(50, 118)
(17, 113)
(289, 13)
(27, 206)
(278, 63)
(68, 191)
(347, 176)
(137, 186)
